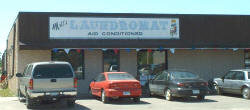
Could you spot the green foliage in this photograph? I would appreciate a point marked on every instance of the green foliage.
(6, 93)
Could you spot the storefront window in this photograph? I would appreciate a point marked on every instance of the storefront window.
(149, 64)
(247, 59)
(74, 58)
(110, 61)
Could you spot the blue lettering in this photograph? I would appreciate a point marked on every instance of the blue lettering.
(113, 25)
(84, 25)
(123, 25)
(143, 25)
(163, 24)
(155, 25)
(132, 25)
(73, 26)
(103, 25)
(93, 24)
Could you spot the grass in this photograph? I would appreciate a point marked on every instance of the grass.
(6, 93)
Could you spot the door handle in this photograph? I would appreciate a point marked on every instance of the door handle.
(53, 80)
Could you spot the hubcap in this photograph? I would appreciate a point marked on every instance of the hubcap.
(103, 96)
(216, 87)
(168, 95)
(90, 92)
(245, 93)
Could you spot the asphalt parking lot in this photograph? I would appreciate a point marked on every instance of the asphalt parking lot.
(216, 102)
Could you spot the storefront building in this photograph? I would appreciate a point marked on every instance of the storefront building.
(208, 45)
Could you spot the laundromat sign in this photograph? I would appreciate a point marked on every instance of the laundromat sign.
(113, 28)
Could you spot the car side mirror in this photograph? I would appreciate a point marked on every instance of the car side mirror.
(19, 75)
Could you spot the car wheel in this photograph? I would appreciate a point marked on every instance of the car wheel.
(218, 90)
(245, 93)
(201, 97)
(20, 96)
(103, 97)
(71, 103)
(90, 92)
(28, 102)
(168, 95)
(136, 99)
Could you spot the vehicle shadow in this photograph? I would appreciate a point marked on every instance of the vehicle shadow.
(232, 95)
(126, 101)
(188, 99)
(58, 106)
(122, 101)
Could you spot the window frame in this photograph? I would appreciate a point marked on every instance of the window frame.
(232, 76)
(100, 78)
(145, 50)
(239, 72)
(160, 75)
(82, 53)
(118, 60)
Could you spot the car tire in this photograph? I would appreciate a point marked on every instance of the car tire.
(201, 97)
(168, 95)
(90, 93)
(136, 99)
(29, 102)
(246, 93)
(104, 98)
(218, 90)
(71, 103)
(20, 96)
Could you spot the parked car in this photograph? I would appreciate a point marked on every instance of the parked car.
(178, 84)
(47, 81)
(235, 82)
(147, 72)
(115, 85)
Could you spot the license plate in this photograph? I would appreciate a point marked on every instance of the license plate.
(53, 93)
(126, 93)
(196, 91)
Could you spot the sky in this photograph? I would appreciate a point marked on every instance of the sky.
(9, 8)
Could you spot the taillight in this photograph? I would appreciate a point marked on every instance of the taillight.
(138, 85)
(113, 86)
(75, 82)
(180, 84)
(204, 84)
(31, 84)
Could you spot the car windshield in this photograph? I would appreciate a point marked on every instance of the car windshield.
(120, 76)
(184, 75)
(53, 71)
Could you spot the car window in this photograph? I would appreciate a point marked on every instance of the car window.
(25, 70)
(239, 75)
(100, 78)
(120, 76)
(248, 75)
(159, 77)
(229, 75)
(166, 75)
(53, 71)
(28, 71)
(184, 75)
